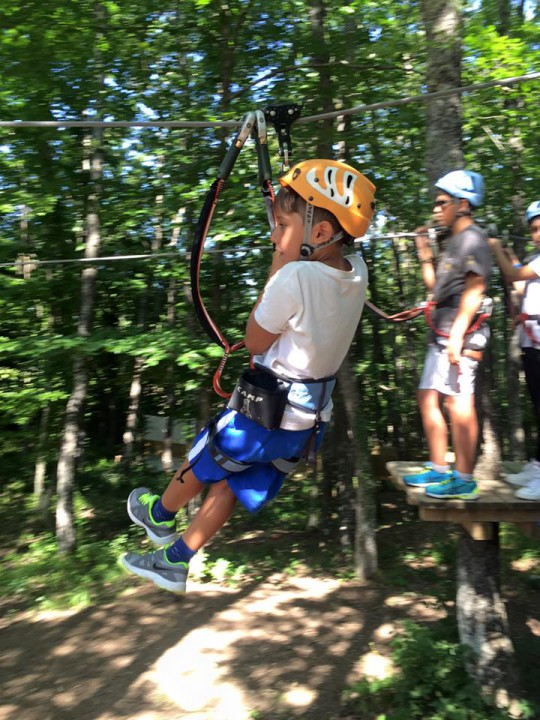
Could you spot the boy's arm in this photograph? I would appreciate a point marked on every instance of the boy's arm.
(511, 274)
(257, 339)
(471, 299)
(425, 257)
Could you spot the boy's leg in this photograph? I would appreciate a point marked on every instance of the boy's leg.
(169, 568)
(436, 433)
(464, 423)
(217, 508)
(435, 428)
(178, 494)
(157, 515)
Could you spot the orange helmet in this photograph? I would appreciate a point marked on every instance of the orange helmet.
(336, 187)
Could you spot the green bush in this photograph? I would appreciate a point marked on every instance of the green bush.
(430, 683)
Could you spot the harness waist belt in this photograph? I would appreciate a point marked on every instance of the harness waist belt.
(310, 396)
(263, 395)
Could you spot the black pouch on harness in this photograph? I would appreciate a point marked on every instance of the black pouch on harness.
(261, 397)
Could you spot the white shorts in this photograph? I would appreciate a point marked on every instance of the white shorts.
(440, 375)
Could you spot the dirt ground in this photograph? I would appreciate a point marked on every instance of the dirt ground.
(279, 648)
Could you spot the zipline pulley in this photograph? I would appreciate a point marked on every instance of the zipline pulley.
(282, 117)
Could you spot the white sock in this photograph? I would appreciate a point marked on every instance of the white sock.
(439, 468)
(465, 476)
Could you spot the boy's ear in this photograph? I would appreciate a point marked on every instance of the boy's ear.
(323, 230)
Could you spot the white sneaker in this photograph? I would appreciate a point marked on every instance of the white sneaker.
(528, 473)
(531, 491)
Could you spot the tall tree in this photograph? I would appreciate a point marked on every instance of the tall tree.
(442, 22)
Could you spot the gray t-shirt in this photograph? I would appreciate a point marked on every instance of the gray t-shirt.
(466, 252)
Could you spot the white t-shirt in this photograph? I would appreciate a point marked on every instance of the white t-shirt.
(315, 309)
(531, 305)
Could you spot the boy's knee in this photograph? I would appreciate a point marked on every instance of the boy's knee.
(222, 490)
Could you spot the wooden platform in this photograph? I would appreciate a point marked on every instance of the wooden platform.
(497, 502)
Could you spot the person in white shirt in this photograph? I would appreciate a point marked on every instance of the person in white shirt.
(526, 279)
(298, 334)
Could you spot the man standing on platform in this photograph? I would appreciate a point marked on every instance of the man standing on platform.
(457, 336)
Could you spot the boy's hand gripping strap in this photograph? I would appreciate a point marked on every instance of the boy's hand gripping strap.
(253, 122)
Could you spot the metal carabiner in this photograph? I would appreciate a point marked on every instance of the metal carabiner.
(264, 167)
(248, 122)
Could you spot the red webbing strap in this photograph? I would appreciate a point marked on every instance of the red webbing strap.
(481, 318)
(252, 121)
(402, 316)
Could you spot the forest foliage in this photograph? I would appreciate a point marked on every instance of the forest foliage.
(141, 190)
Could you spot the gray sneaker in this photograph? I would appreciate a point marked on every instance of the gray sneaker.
(155, 567)
(139, 507)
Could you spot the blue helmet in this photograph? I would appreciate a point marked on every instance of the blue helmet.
(533, 211)
(463, 184)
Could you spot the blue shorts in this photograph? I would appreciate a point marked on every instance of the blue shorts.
(243, 440)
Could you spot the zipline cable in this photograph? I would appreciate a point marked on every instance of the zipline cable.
(424, 97)
(29, 260)
(180, 254)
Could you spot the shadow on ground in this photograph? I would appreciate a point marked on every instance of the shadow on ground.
(278, 648)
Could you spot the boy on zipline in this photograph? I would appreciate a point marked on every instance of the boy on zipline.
(298, 333)
(526, 279)
(458, 284)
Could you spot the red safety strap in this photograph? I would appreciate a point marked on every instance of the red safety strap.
(428, 307)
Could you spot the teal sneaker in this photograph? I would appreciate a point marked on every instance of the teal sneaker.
(426, 477)
(454, 488)
(158, 569)
(139, 507)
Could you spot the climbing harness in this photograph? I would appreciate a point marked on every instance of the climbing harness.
(262, 395)
(253, 124)
(527, 322)
(483, 314)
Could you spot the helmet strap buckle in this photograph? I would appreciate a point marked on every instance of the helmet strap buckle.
(306, 248)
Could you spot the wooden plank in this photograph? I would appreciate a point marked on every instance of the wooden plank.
(497, 502)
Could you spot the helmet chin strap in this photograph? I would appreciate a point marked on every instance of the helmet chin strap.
(307, 249)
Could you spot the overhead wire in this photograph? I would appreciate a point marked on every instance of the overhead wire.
(503, 82)
(423, 97)
(27, 259)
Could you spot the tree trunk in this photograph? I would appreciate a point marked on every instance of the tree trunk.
(65, 531)
(488, 464)
(135, 389)
(365, 546)
(133, 410)
(482, 619)
(481, 614)
(442, 21)
(167, 455)
(41, 491)
(321, 56)
(515, 411)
